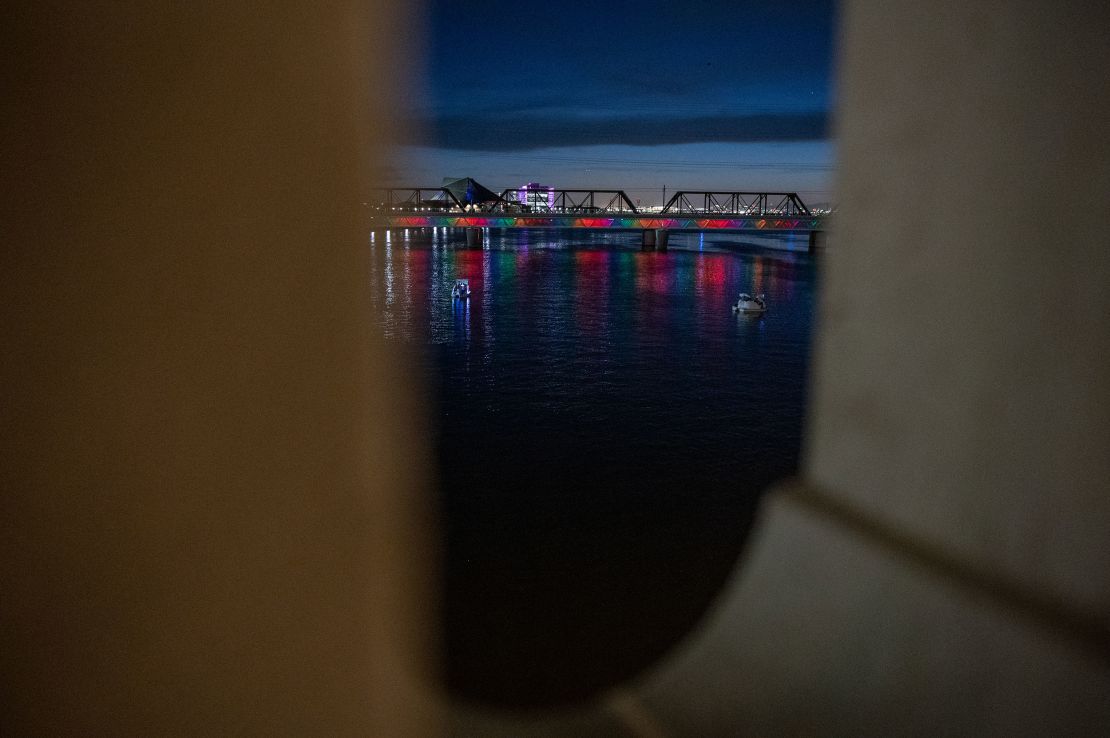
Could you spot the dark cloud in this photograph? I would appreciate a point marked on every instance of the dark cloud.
(516, 132)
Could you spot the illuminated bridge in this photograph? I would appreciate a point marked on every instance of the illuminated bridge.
(737, 212)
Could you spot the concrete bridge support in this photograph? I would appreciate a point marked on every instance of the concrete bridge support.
(473, 238)
(662, 235)
(648, 242)
(816, 240)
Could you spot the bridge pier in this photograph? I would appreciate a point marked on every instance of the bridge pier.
(816, 240)
(662, 235)
(648, 243)
(473, 238)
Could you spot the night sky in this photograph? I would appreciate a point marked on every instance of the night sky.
(636, 95)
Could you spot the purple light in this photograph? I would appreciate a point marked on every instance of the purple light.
(530, 194)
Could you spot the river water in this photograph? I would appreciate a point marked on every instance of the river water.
(604, 426)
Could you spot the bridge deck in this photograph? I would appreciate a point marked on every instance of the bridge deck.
(610, 221)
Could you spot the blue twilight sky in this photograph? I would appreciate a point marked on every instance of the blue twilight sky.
(690, 94)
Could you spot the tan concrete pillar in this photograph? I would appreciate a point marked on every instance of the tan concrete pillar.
(211, 508)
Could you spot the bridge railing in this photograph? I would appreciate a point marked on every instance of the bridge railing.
(736, 203)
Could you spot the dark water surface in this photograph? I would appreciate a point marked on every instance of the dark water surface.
(605, 425)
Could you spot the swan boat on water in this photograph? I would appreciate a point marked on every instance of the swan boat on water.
(749, 305)
(461, 290)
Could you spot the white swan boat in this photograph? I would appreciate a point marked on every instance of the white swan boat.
(461, 290)
(749, 305)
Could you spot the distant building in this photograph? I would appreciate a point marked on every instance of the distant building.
(536, 196)
(467, 191)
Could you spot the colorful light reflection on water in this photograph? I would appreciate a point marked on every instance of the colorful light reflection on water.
(604, 427)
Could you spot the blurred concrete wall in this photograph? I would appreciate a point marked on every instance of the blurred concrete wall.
(208, 478)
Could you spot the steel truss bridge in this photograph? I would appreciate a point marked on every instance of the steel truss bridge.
(438, 207)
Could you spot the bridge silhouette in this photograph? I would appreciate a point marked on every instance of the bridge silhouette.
(686, 210)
